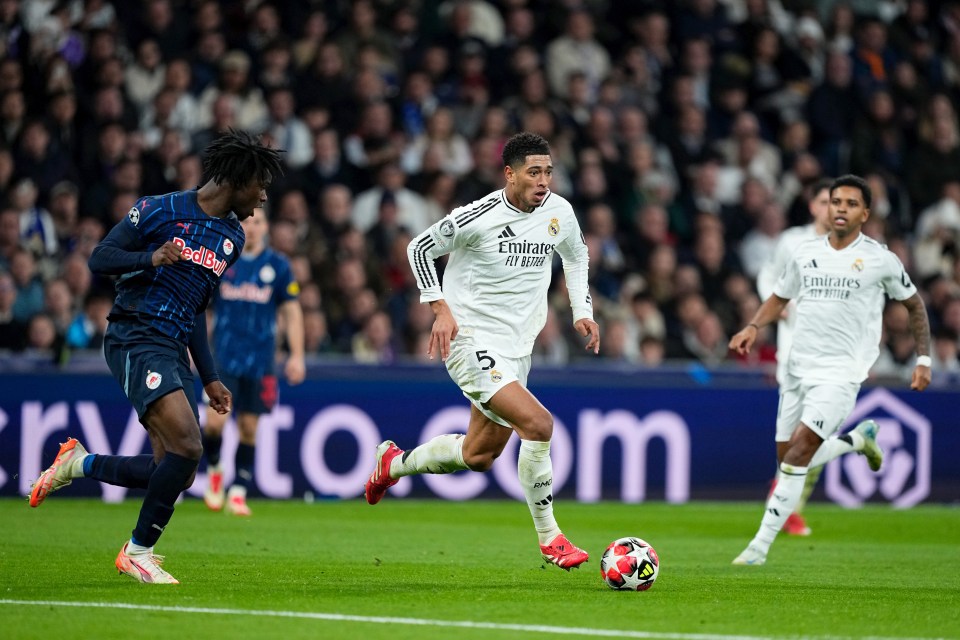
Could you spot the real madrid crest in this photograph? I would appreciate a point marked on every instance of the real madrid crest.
(495, 376)
(857, 265)
(554, 227)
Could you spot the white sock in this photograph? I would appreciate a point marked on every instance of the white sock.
(536, 478)
(76, 466)
(134, 549)
(780, 504)
(443, 454)
(836, 446)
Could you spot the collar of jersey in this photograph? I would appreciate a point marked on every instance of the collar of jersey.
(503, 196)
(826, 241)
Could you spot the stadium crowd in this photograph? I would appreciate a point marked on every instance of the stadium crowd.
(687, 135)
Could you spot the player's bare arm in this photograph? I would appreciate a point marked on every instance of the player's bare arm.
(292, 316)
(444, 330)
(168, 253)
(768, 312)
(920, 328)
(221, 400)
(589, 329)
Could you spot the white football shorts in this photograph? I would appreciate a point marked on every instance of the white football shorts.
(481, 372)
(821, 406)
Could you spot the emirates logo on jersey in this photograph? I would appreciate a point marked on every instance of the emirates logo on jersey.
(204, 257)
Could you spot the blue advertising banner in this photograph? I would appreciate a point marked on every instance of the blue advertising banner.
(623, 436)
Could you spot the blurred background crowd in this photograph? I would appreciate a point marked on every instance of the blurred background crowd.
(687, 134)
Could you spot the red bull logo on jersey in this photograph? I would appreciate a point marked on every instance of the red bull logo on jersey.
(246, 292)
(204, 257)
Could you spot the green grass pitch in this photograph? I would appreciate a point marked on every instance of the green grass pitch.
(472, 571)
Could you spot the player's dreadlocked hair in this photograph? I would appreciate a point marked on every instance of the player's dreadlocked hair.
(521, 145)
(237, 157)
(856, 182)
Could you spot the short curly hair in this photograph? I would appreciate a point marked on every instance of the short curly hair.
(521, 145)
(850, 180)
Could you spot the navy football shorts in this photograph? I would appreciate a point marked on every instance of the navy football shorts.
(250, 394)
(147, 364)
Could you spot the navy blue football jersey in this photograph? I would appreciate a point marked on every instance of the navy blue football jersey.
(244, 334)
(168, 297)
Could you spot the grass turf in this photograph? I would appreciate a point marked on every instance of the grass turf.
(870, 572)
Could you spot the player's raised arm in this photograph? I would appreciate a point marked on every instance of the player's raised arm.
(121, 252)
(768, 312)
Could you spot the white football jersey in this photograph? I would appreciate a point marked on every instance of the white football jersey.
(788, 242)
(499, 270)
(840, 297)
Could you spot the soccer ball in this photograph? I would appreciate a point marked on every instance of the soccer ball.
(629, 564)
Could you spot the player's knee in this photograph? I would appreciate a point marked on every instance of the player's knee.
(192, 450)
(801, 447)
(479, 461)
(539, 428)
(479, 454)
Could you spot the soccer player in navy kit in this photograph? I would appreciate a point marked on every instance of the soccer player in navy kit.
(253, 293)
(169, 253)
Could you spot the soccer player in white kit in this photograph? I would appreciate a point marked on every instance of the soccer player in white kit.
(840, 283)
(788, 242)
(491, 307)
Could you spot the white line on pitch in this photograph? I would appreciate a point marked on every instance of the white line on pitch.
(422, 622)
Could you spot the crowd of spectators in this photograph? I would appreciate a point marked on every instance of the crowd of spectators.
(687, 135)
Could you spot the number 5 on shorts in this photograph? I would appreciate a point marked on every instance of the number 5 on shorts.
(482, 358)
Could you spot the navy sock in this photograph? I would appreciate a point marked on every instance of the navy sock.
(124, 471)
(244, 464)
(211, 449)
(166, 483)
